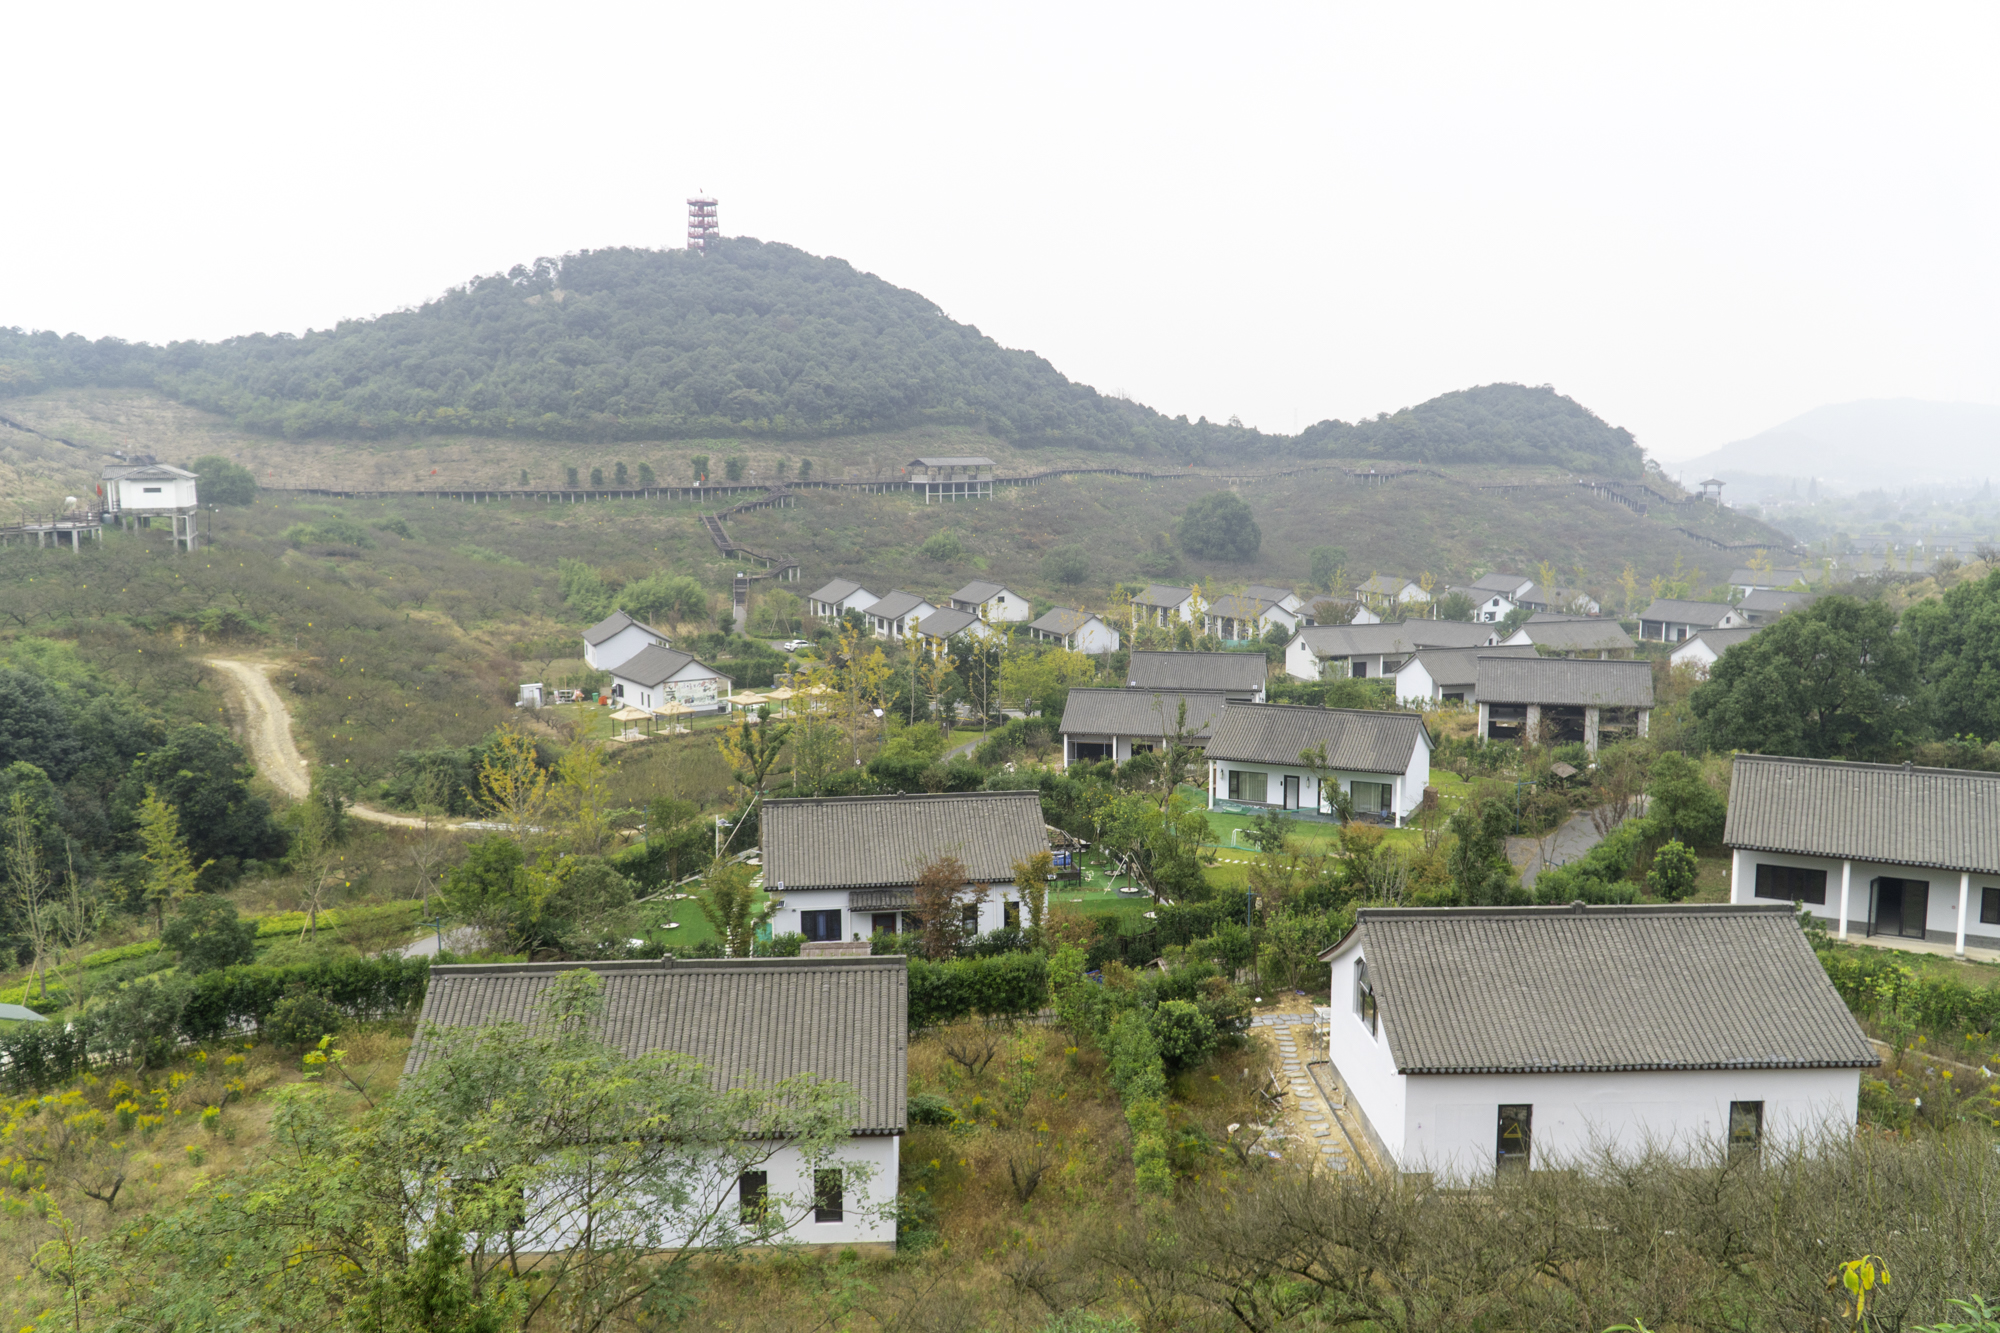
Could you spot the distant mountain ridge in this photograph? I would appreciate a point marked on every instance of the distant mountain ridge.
(1879, 442)
(753, 339)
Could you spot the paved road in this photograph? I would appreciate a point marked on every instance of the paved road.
(268, 724)
(1576, 837)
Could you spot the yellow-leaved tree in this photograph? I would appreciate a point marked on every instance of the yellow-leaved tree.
(513, 787)
(170, 870)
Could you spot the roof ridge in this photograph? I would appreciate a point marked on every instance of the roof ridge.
(1603, 911)
(899, 796)
(1863, 765)
(669, 963)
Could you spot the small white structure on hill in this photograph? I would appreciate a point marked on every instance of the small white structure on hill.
(654, 678)
(147, 490)
(1475, 1041)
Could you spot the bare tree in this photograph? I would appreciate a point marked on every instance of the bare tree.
(943, 894)
(28, 883)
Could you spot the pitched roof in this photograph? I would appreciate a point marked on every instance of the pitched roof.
(613, 623)
(944, 623)
(1100, 712)
(864, 842)
(1589, 633)
(1163, 594)
(897, 605)
(1777, 600)
(1062, 620)
(977, 592)
(1233, 607)
(1392, 636)
(838, 591)
(748, 1021)
(1460, 666)
(1357, 739)
(150, 472)
(1948, 818)
(952, 460)
(1504, 584)
(1745, 577)
(1264, 592)
(654, 664)
(1387, 584)
(1565, 681)
(1676, 612)
(1479, 990)
(1237, 673)
(1718, 641)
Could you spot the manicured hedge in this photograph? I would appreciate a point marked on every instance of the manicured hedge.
(1884, 988)
(1005, 985)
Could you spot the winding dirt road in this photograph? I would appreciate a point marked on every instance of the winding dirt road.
(269, 726)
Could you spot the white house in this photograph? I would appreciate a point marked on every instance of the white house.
(1888, 852)
(991, 600)
(617, 638)
(1339, 611)
(1078, 630)
(839, 597)
(1162, 604)
(896, 616)
(1446, 675)
(841, 1019)
(846, 867)
(1562, 700)
(1746, 580)
(1570, 634)
(654, 677)
(1117, 724)
(951, 623)
(1705, 649)
(141, 492)
(1561, 601)
(1494, 596)
(1381, 760)
(1318, 652)
(1765, 605)
(1241, 619)
(1236, 676)
(1474, 1041)
(1285, 597)
(1670, 620)
(1390, 593)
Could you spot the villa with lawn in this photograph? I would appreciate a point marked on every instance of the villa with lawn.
(1100, 724)
(1381, 761)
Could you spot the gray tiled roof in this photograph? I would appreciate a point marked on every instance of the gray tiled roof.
(653, 664)
(1776, 601)
(1387, 585)
(1720, 641)
(1577, 633)
(942, 624)
(1675, 612)
(1947, 818)
(897, 605)
(977, 592)
(1479, 990)
(1095, 712)
(1460, 666)
(1393, 636)
(1358, 740)
(1565, 681)
(1163, 594)
(860, 842)
(953, 460)
(1062, 620)
(1232, 607)
(149, 472)
(1504, 584)
(1267, 593)
(611, 624)
(838, 591)
(1236, 673)
(749, 1022)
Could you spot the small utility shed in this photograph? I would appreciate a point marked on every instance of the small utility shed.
(1240, 676)
(1670, 620)
(1579, 699)
(1476, 1040)
(1448, 675)
(746, 1021)
(1888, 851)
(1382, 760)
(1117, 724)
(847, 866)
(617, 638)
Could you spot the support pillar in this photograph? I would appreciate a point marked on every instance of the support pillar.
(1592, 720)
(1736, 875)
(1846, 883)
(1531, 730)
(1964, 901)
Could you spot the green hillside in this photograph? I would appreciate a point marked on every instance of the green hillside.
(1494, 423)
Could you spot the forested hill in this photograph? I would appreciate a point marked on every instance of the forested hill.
(1494, 423)
(749, 338)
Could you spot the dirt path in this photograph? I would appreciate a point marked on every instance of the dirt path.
(269, 724)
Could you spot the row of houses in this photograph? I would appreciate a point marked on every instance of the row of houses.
(971, 611)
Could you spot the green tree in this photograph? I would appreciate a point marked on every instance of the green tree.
(1681, 805)
(1328, 564)
(619, 475)
(943, 546)
(665, 599)
(170, 870)
(490, 886)
(1829, 681)
(1031, 880)
(1956, 639)
(203, 773)
(730, 905)
(1481, 875)
(569, 474)
(805, 469)
(1067, 565)
(1219, 526)
(221, 482)
(208, 935)
(732, 467)
(1673, 872)
(698, 467)
(1454, 605)
(816, 744)
(646, 478)
(596, 477)
(1163, 845)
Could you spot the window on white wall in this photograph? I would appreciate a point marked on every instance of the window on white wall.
(1248, 786)
(1364, 997)
(1746, 1127)
(1989, 906)
(1516, 1138)
(1792, 884)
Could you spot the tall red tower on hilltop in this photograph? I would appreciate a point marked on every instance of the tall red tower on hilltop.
(702, 230)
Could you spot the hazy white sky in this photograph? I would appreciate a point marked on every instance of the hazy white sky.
(1697, 220)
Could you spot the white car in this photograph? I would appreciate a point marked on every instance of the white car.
(796, 645)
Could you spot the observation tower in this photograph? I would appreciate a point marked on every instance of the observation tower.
(702, 231)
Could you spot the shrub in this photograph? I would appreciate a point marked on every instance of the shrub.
(943, 546)
(1002, 986)
(1673, 872)
(1183, 1034)
(207, 935)
(1219, 526)
(927, 1108)
(301, 1020)
(1067, 565)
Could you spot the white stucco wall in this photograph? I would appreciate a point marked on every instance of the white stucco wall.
(1300, 661)
(1414, 684)
(1364, 1063)
(1695, 653)
(621, 647)
(1941, 912)
(1095, 637)
(164, 495)
(1407, 789)
(859, 921)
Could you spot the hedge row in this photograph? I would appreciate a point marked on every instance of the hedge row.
(148, 1019)
(1182, 924)
(1005, 985)
(1883, 988)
